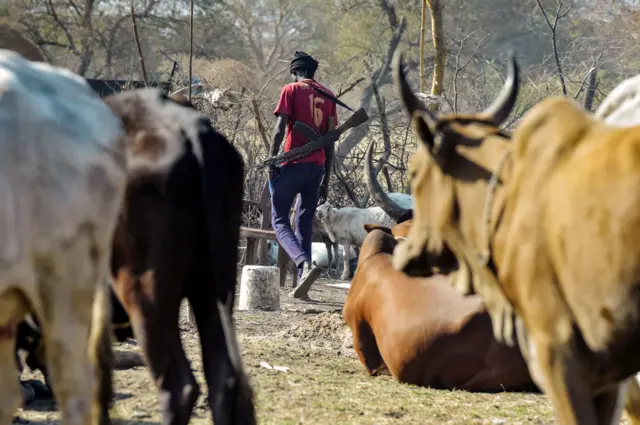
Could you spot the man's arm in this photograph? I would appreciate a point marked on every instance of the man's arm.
(278, 134)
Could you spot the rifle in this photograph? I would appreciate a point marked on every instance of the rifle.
(358, 117)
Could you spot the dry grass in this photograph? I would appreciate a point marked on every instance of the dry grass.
(325, 383)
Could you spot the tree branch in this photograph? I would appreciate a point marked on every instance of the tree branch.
(350, 87)
(554, 42)
(140, 57)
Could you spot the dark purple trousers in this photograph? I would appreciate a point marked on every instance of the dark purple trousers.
(302, 178)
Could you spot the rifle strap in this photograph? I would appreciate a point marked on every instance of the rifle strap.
(327, 95)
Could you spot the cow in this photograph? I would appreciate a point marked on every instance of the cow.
(176, 236)
(557, 259)
(345, 226)
(621, 108)
(423, 331)
(62, 174)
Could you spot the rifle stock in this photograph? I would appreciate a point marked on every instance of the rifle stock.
(358, 117)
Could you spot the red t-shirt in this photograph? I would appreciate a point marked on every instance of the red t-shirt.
(301, 103)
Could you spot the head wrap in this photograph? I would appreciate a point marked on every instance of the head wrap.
(302, 60)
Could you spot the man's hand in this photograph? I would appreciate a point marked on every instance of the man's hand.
(322, 194)
(273, 172)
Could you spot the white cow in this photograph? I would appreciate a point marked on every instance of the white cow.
(62, 174)
(346, 226)
(622, 106)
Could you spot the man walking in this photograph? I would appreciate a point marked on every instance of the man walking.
(309, 176)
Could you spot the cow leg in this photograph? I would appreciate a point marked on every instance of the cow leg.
(226, 407)
(336, 250)
(101, 354)
(345, 271)
(66, 333)
(563, 382)
(10, 391)
(632, 402)
(329, 259)
(364, 343)
(609, 404)
(11, 307)
(179, 390)
(168, 365)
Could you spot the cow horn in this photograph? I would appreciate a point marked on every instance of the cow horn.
(501, 107)
(409, 100)
(393, 210)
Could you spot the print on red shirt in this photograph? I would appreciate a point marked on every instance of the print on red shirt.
(301, 103)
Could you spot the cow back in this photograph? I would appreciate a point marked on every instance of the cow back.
(61, 163)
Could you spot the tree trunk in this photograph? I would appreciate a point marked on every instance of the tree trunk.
(437, 33)
(422, 31)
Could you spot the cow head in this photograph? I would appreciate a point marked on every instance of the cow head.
(448, 173)
(323, 212)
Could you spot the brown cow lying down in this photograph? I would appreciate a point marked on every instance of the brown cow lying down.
(423, 331)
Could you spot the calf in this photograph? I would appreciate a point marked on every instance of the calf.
(177, 236)
(423, 331)
(62, 172)
(346, 226)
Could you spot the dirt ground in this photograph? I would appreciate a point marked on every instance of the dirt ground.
(325, 382)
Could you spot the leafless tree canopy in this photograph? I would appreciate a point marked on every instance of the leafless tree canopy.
(241, 50)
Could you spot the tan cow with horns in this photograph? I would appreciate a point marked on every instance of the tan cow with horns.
(557, 254)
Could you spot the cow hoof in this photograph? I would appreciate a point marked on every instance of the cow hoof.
(344, 277)
(28, 394)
